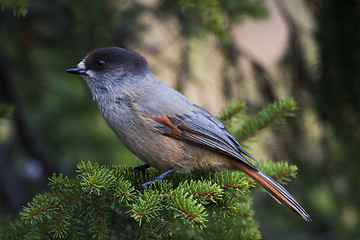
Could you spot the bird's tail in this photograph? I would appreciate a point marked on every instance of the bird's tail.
(278, 192)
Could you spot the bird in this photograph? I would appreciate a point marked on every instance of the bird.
(161, 126)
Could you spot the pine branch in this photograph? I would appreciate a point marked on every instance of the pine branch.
(279, 171)
(202, 203)
(210, 12)
(216, 14)
(232, 110)
(273, 115)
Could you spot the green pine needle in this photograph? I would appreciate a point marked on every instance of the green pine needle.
(273, 115)
(233, 110)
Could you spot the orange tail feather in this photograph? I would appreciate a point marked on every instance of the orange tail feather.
(278, 192)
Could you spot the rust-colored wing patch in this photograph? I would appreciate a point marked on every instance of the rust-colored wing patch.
(169, 126)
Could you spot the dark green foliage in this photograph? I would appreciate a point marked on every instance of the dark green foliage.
(245, 128)
(104, 202)
(232, 110)
(213, 13)
(101, 202)
(19, 7)
(271, 116)
(6, 110)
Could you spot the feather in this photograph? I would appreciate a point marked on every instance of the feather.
(278, 192)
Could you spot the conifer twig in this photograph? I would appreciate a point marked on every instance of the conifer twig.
(273, 115)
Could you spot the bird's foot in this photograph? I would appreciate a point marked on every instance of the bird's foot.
(160, 177)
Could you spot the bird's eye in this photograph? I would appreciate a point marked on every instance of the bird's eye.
(100, 63)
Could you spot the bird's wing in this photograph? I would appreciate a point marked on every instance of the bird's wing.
(201, 128)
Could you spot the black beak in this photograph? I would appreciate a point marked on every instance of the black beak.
(76, 70)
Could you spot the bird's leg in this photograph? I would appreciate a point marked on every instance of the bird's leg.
(140, 168)
(160, 177)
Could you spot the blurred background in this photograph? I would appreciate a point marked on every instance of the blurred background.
(211, 51)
